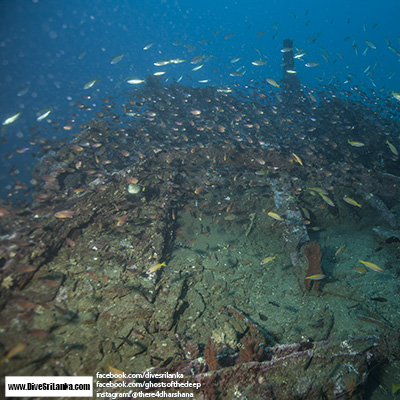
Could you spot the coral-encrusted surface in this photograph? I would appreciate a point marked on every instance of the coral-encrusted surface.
(321, 370)
(313, 254)
(132, 253)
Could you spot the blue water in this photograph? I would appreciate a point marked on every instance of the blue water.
(42, 39)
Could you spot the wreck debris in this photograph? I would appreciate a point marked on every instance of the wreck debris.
(251, 350)
(327, 369)
(118, 201)
(290, 81)
(211, 354)
(313, 254)
(381, 207)
(250, 227)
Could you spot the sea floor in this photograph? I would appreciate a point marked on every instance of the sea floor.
(89, 307)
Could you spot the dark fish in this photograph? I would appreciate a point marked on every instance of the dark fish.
(274, 303)
(263, 317)
(380, 299)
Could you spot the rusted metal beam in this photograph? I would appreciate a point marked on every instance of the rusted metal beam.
(291, 90)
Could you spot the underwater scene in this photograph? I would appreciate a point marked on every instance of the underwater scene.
(201, 199)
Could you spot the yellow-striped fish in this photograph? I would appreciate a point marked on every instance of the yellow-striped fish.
(371, 265)
(396, 95)
(392, 148)
(339, 250)
(266, 260)
(327, 200)
(275, 216)
(273, 82)
(297, 158)
(316, 277)
(355, 144)
(155, 268)
(317, 190)
(349, 200)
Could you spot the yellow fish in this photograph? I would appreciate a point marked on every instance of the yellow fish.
(395, 387)
(349, 200)
(113, 370)
(13, 352)
(339, 250)
(297, 158)
(155, 268)
(396, 95)
(327, 199)
(355, 144)
(317, 190)
(371, 265)
(266, 260)
(392, 148)
(316, 277)
(273, 82)
(275, 216)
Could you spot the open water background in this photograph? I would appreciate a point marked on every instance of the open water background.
(41, 40)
